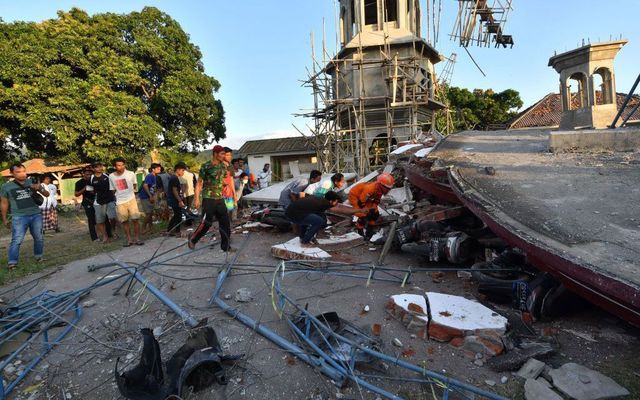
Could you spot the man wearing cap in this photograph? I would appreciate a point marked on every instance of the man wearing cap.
(368, 195)
(211, 181)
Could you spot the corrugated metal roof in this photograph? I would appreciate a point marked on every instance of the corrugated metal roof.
(547, 111)
(296, 144)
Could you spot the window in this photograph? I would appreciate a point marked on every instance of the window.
(602, 81)
(370, 12)
(576, 85)
(391, 10)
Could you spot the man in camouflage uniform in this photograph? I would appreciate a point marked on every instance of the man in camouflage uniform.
(210, 184)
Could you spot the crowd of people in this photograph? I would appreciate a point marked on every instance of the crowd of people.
(110, 200)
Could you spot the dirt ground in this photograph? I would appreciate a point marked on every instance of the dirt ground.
(82, 366)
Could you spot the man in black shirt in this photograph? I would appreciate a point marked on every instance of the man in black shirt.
(308, 214)
(104, 204)
(84, 189)
(175, 199)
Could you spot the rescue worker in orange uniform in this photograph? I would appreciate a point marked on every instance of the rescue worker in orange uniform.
(367, 196)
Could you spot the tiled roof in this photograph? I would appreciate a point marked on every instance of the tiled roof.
(298, 144)
(547, 112)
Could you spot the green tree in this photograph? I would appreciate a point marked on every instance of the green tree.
(478, 109)
(82, 87)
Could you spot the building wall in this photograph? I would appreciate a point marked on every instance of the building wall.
(280, 164)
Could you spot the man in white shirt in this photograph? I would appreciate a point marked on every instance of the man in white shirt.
(264, 177)
(123, 185)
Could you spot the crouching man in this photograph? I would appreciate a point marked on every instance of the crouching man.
(308, 214)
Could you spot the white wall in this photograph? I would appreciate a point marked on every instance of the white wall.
(256, 163)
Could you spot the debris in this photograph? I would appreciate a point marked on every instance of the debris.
(515, 358)
(452, 316)
(531, 369)
(366, 308)
(582, 383)
(372, 249)
(227, 296)
(535, 390)
(88, 303)
(464, 275)
(411, 310)
(157, 331)
(243, 295)
(340, 239)
(582, 335)
(490, 382)
(436, 277)
(376, 329)
(396, 342)
(504, 379)
(479, 363)
(293, 250)
(339, 351)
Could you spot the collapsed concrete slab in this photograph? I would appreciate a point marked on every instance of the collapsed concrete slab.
(531, 369)
(464, 323)
(537, 390)
(340, 239)
(454, 316)
(411, 310)
(293, 250)
(582, 383)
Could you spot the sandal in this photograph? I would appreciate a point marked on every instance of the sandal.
(12, 266)
(128, 244)
(139, 243)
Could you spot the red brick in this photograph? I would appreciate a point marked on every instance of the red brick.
(443, 333)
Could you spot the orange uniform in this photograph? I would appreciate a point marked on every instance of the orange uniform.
(366, 195)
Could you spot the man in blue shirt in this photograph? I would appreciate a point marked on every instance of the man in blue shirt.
(148, 196)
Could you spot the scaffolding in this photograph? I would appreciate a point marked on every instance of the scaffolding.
(480, 23)
(353, 130)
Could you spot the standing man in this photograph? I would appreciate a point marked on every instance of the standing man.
(25, 213)
(368, 196)
(175, 199)
(122, 183)
(189, 179)
(148, 196)
(84, 189)
(309, 215)
(264, 177)
(211, 181)
(104, 205)
(49, 207)
(295, 189)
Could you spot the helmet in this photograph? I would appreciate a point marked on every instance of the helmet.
(386, 180)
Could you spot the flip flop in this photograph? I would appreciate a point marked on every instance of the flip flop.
(139, 243)
(126, 244)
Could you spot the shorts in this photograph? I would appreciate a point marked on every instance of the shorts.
(147, 207)
(104, 211)
(128, 211)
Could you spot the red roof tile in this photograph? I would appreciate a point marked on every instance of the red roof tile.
(547, 112)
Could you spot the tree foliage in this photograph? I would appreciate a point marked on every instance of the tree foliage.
(82, 87)
(478, 109)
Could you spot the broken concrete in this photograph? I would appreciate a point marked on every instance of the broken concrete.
(293, 250)
(535, 390)
(531, 369)
(452, 316)
(582, 383)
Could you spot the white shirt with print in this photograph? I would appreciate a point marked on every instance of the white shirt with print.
(123, 185)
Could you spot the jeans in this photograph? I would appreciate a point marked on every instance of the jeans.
(19, 225)
(214, 208)
(310, 225)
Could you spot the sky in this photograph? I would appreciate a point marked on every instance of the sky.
(260, 50)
